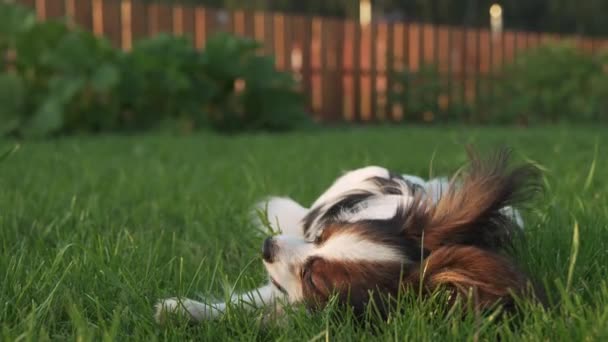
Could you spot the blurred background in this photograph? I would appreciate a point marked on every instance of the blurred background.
(232, 65)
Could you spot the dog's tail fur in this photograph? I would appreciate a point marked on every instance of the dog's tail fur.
(470, 212)
(466, 230)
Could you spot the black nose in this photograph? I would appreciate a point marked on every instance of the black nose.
(268, 250)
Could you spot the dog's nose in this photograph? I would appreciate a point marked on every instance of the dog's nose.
(268, 250)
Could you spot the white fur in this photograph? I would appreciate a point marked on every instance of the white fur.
(352, 247)
(198, 311)
(284, 215)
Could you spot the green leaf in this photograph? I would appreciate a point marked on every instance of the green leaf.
(47, 120)
(105, 77)
(12, 95)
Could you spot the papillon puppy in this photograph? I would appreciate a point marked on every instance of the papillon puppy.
(375, 233)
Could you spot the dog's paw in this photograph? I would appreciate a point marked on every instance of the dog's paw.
(183, 307)
(175, 307)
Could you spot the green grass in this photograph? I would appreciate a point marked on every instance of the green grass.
(94, 230)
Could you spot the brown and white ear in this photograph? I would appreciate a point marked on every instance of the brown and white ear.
(354, 285)
(317, 285)
(322, 279)
(466, 270)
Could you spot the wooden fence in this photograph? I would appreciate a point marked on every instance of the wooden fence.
(343, 66)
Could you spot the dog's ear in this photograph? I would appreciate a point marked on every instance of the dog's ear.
(353, 284)
(469, 271)
(321, 279)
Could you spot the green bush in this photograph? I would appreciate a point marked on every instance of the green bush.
(162, 80)
(553, 83)
(267, 98)
(421, 93)
(67, 80)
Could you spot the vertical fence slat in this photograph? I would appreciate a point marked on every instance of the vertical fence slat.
(306, 29)
(348, 70)
(382, 69)
(365, 53)
(269, 33)
(55, 9)
(70, 11)
(165, 18)
(138, 21)
(200, 27)
(188, 22)
(112, 22)
(374, 42)
(98, 17)
(83, 14)
(126, 16)
(428, 44)
(389, 71)
(278, 40)
(316, 66)
(414, 47)
(442, 55)
(398, 66)
(238, 20)
(177, 20)
(337, 72)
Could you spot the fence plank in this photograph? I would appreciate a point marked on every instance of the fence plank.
(188, 23)
(278, 40)
(126, 11)
(390, 70)
(112, 22)
(348, 71)
(83, 14)
(428, 44)
(414, 47)
(54, 9)
(366, 52)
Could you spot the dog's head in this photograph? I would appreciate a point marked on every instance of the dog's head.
(455, 243)
(349, 260)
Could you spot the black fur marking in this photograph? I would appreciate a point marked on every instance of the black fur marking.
(310, 218)
(348, 202)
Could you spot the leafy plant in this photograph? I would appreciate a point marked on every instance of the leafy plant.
(423, 95)
(249, 92)
(163, 79)
(553, 83)
(66, 80)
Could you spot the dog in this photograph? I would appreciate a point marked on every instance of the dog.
(375, 233)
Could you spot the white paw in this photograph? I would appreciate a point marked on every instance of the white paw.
(184, 307)
(179, 307)
(166, 307)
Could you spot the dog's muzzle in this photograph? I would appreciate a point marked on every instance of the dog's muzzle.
(269, 250)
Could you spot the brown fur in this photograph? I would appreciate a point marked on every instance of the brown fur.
(469, 212)
(462, 239)
(465, 270)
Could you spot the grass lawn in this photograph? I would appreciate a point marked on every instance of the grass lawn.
(94, 230)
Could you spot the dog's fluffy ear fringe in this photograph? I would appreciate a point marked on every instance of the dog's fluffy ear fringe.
(469, 212)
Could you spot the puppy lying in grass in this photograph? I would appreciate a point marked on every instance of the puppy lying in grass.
(375, 233)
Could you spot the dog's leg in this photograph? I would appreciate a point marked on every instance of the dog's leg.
(284, 215)
(265, 296)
